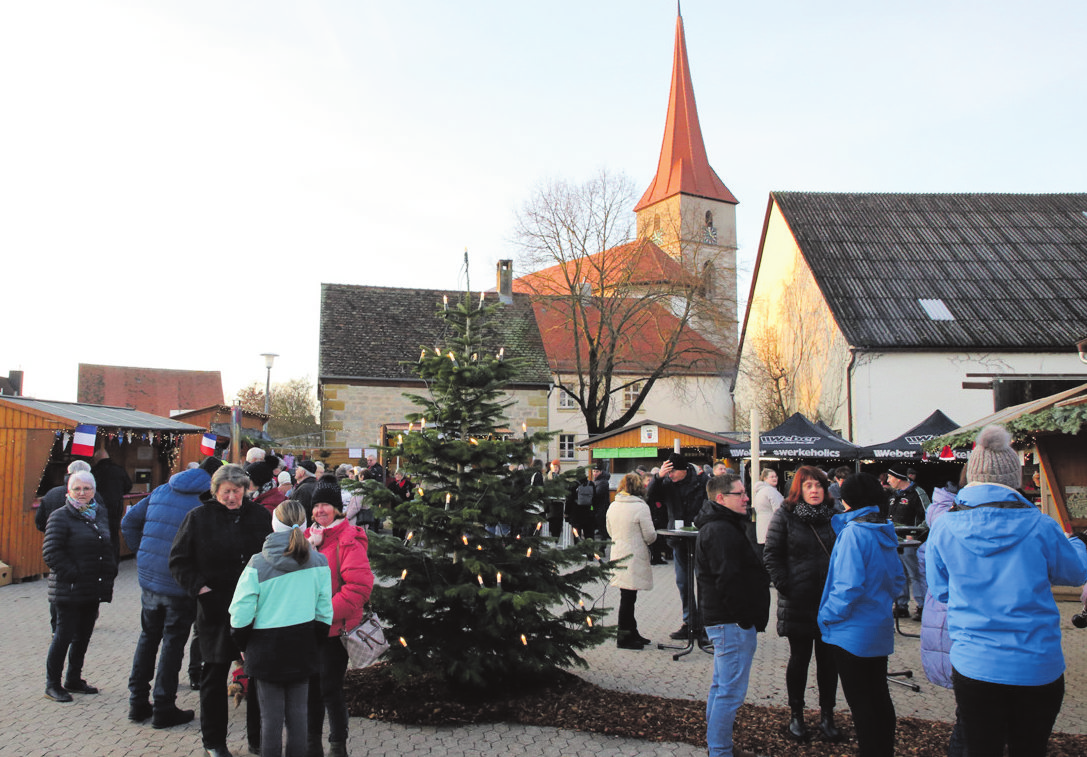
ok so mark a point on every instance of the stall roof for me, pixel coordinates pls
(100, 415)
(679, 428)
(799, 438)
(908, 446)
(1069, 397)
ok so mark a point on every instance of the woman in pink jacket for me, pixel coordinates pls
(344, 546)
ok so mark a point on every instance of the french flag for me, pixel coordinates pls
(207, 445)
(83, 440)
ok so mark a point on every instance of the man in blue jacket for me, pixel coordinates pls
(168, 611)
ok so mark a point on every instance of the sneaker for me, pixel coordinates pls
(140, 711)
(171, 717)
(57, 694)
(80, 687)
(683, 632)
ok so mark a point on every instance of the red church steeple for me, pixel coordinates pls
(683, 167)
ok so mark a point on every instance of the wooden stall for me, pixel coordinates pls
(216, 420)
(648, 443)
(36, 439)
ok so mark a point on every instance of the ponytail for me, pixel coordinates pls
(291, 514)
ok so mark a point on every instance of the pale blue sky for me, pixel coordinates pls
(161, 162)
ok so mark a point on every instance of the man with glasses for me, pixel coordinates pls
(734, 593)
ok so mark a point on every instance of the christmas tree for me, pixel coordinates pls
(473, 591)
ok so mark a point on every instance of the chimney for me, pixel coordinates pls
(505, 281)
(15, 378)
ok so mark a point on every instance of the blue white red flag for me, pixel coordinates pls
(207, 445)
(83, 440)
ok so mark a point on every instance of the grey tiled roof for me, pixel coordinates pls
(375, 333)
(1010, 268)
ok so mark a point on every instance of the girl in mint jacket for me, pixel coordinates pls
(279, 617)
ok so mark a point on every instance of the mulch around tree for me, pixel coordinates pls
(564, 700)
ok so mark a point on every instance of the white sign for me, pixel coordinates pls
(650, 434)
(354, 452)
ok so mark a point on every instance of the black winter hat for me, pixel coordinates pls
(863, 490)
(327, 491)
(678, 461)
(210, 465)
(308, 466)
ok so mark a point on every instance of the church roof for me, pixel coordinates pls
(374, 333)
(947, 271)
(643, 334)
(637, 263)
(683, 167)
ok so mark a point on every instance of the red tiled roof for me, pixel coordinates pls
(638, 263)
(157, 391)
(645, 330)
(683, 167)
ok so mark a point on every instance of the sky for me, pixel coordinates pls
(177, 179)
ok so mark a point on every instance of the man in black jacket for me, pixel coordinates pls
(682, 488)
(735, 591)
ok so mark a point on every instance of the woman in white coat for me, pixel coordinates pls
(631, 528)
(765, 501)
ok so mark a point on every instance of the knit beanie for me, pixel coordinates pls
(993, 461)
(863, 490)
(328, 491)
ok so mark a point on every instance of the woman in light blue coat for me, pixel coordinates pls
(993, 559)
(855, 611)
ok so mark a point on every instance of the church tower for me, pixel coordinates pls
(688, 211)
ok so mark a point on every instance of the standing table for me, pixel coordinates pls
(694, 627)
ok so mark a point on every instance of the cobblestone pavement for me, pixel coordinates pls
(31, 726)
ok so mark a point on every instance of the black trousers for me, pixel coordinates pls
(995, 714)
(796, 672)
(864, 683)
(627, 599)
(75, 624)
(213, 706)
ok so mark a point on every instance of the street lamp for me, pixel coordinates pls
(269, 358)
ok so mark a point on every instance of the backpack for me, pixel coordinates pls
(585, 494)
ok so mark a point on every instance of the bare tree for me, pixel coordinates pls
(618, 326)
(293, 407)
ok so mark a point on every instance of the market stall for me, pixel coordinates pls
(39, 438)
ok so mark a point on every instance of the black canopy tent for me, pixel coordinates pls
(799, 439)
(908, 446)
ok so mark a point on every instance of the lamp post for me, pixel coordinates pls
(269, 358)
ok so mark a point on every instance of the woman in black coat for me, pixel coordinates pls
(79, 553)
(797, 556)
(212, 547)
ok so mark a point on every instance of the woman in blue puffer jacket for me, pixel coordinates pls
(992, 559)
(855, 611)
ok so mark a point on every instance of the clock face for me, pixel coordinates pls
(709, 235)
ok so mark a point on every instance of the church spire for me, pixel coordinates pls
(683, 167)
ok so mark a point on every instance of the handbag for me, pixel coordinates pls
(364, 643)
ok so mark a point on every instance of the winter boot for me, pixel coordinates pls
(314, 748)
(337, 749)
(796, 730)
(628, 640)
(826, 725)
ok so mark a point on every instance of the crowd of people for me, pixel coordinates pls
(269, 567)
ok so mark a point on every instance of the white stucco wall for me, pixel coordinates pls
(894, 391)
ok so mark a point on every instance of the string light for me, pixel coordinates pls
(480, 578)
(589, 620)
(501, 354)
(473, 440)
(408, 537)
(529, 553)
(524, 640)
(445, 302)
(399, 440)
(499, 577)
(539, 526)
(574, 531)
(453, 358)
(437, 352)
(464, 538)
(481, 299)
(479, 547)
(448, 496)
(403, 643)
(411, 427)
(422, 355)
(404, 574)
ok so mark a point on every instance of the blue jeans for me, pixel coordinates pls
(915, 579)
(164, 620)
(690, 614)
(733, 650)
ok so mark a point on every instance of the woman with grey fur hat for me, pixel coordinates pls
(992, 559)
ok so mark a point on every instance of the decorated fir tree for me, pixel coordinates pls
(473, 591)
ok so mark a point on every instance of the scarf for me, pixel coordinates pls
(88, 511)
(813, 513)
